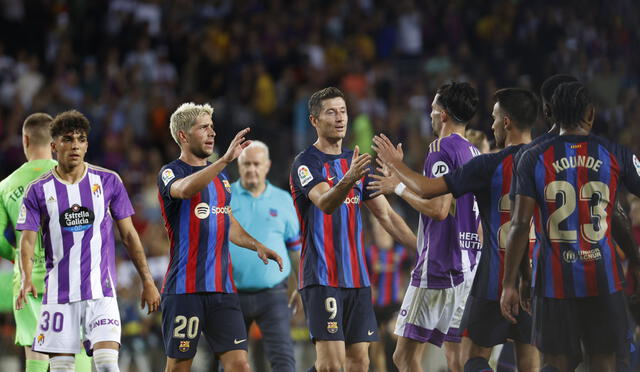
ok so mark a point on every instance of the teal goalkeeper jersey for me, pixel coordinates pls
(12, 190)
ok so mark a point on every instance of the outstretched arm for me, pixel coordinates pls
(186, 187)
(240, 237)
(391, 221)
(131, 241)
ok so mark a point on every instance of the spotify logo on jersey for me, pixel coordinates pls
(202, 211)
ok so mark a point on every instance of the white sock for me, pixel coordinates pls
(106, 360)
(62, 364)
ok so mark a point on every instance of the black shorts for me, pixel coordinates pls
(600, 322)
(339, 314)
(386, 313)
(216, 315)
(487, 327)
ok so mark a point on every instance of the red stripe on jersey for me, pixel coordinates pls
(556, 254)
(584, 218)
(329, 250)
(507, 172)
(351, 230)
(303, 236)
(170, 233)
(222, 199)
(374, 277)
(613, 185)
(194, 241)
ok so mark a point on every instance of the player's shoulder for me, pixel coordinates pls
(103, 172)
(309, 157)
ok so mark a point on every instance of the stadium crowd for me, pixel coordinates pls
(127, 64)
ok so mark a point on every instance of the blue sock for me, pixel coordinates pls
(477, 364)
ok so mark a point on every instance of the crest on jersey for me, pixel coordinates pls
(96, 190)
(636, 163)
(22, 217)
(202, 210)
(440, 168)
(184, 346)
(304, 175)
(167, 175)
(227, 186)
(40, 339)
(273, 212)
(332, 327)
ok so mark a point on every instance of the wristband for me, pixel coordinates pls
(399, 189)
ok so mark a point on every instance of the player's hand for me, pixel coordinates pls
(385, 182)
(25, 288)
(295, 302)
(359, 166)
(510, 303)
(386, 151)
(525, 295)
(267, 254)
(150, 296)
(236, 146)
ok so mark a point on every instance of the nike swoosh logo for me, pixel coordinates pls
(370, 332)
(236, 341)
(330, 178)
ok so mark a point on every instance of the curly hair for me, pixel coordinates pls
(569, 104)
(69, 122)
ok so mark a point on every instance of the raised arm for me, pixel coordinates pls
(186, 187)
(131, 241)
(328, 198)
(240, 237)
(391, 221)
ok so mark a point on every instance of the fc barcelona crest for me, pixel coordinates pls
(273, 212)
(227, 186)
(332, 327)
(184, 346)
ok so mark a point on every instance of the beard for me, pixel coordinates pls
(200, 152)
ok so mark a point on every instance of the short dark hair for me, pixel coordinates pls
(521, 105)
(460, 100)
(569, 103)
(69, 122)
(37, 127)
(551, 83)
(315, 102)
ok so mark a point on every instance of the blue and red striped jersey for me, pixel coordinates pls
(488, 177)
(332, 244)
(574, 180)
(199, 259)
(385, 267)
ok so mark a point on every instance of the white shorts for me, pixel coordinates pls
(62, 327)
(433, 315)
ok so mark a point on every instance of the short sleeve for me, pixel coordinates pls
(438, 164)
(514, 180)
(472, 176)
(525, 174)
(29, 214)
(120, 205)
(168, 175)
(630, 170)
(292, 227)
(306, 173)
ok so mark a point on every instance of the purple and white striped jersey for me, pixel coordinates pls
(449, 248)
(77, 232)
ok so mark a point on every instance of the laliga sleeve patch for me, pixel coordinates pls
(167, 175)
(440, 168)
(22, 217)
(636, 163)
(304, 175)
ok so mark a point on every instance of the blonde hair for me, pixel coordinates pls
(185, 116)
